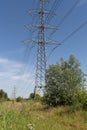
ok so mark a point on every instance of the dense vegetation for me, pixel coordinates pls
(63, 106)
(3, 95)
(33, 115)
(65, 84)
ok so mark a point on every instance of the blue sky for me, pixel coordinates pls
(17, 61)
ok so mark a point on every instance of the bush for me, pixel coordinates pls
(3, 95)
(64, 83)
(36, 98)
(19, 99)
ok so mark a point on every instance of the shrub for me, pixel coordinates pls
(19, 99)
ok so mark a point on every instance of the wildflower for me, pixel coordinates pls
(30, 127)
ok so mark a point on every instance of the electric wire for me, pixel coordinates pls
(29, 84)
(34, 20)
(23, 68)
(30, 71)
(55, 6)
(67, 14)
(26, 86)
(71, 34)
(48, 18)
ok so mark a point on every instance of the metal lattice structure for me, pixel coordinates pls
(41, 51)
(41, 44)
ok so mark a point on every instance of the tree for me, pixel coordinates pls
(19, 99)
(63, 80)
(3, 95)
(36, 98)
(31, 96)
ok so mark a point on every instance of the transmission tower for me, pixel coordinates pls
(41, 51)
(14, 94)
(41, 45)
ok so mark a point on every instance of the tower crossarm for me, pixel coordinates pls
(40, 42)
(38, 12)
(28, 26)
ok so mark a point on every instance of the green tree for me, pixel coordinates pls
(31, 96)
(3, 95)
(63, 80)
(37, 97)
(19, 99)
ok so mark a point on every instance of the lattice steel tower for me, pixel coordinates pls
(41, 42)
(41, 52)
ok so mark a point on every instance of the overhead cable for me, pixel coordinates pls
(71, 34)
(55, 6)
(67, 14)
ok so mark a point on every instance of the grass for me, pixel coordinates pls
(35, 116)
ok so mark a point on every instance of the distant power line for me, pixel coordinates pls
(67, 14)
(71, 34)
(75, 31)
(54, 7)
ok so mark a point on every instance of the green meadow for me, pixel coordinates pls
(32, 115)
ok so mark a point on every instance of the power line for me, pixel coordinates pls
(41, 39)
(26, 60)
(66, 15)
(75, 31)
(71, 34)
(69, 12)
(55, 6)
(41, 42)
(24, 69)
(23, 91)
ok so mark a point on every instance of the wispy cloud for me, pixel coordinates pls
(3, 60)
(13, 73)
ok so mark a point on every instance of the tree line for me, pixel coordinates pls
(64, 85)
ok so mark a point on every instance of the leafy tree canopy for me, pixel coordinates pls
(3, 95)
(37, 97)
(19, 99)
(63, 81)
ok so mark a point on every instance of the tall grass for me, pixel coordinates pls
(35, 116)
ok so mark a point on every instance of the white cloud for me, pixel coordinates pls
(15, 73)
(3, 60)
(24, 77)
